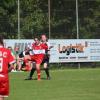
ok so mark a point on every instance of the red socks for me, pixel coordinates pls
(39, 74)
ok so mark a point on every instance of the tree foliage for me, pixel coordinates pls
(34, 18)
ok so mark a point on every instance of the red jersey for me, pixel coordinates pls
(39, 49)
(38, 52)
(5, 59)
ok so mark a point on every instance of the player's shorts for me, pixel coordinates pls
(37, 58)
(4, 86)
(46, 59)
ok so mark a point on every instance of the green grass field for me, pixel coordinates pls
(71, 84)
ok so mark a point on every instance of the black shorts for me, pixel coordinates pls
(46, 59)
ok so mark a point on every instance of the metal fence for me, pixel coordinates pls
(68, 19)
(58, 19)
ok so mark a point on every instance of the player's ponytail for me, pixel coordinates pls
(1, 40)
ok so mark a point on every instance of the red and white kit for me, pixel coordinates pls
(38, 52)
(5, 59)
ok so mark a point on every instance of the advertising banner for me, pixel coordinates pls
(75, 50)
(66, 50)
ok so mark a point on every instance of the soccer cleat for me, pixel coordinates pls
(48, 78)
(13, 70)
(30, 78)
(38, 79)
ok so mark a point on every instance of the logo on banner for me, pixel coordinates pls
(68, 49)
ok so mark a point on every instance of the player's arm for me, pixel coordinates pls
(51, 47)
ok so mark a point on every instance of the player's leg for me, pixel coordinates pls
(1, 98)
(19, 64)
(46, 68)
(38, 71)
(39, 60)
(33, 67)
(32, 70)
(4, 87)
(27, 57)
(29, 66)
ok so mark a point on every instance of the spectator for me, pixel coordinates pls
(14, 55)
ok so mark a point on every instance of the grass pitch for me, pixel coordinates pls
(71, 84)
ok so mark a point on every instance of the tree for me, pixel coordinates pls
(34, 18)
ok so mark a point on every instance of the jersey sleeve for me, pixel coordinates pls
(10, 58)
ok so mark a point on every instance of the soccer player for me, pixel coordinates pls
(45, 62)
(5, 59)
(22, 63)
(38, 50)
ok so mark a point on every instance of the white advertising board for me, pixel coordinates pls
(66, 50)
(75, 50)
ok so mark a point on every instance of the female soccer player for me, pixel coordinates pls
(45, 62)
(38, 50)
(5, 59)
